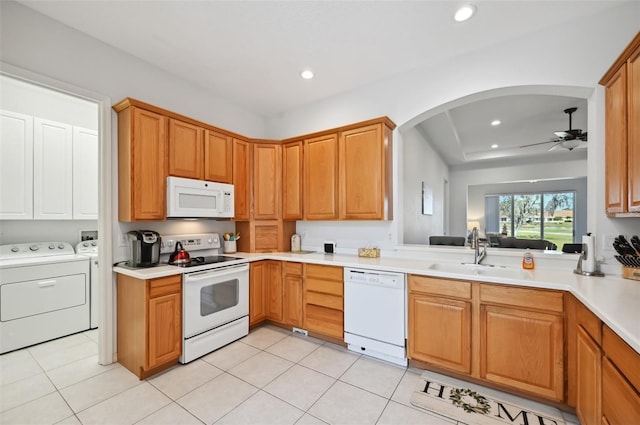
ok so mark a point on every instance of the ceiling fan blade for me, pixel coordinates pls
(553, 147)
(540, 143)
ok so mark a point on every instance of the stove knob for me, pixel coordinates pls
(61, 246)
(209, 241)
(34, 248)
(85, 244)
(15, 249)
(94, 243)
(52, 246)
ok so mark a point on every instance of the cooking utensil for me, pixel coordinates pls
(635, 242)
(628, 260)
(180, 255)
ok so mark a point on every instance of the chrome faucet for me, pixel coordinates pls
(475, 244)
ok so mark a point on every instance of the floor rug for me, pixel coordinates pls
(473, 408)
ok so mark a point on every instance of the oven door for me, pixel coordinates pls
(214, 297)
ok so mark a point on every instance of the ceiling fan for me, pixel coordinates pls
(568, 139)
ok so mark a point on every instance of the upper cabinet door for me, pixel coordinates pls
(186, 149)
(16, 166)
(52, 170)
(321, 178)
(633, 142)
(362, 173)
(292, 157)
(616, 142)
(148, 163)
(218, 157)
(267, 181)
(241, 179)
(85, 174)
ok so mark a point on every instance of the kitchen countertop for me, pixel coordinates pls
(616, 301)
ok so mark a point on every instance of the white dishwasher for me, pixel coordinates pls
(374, 314)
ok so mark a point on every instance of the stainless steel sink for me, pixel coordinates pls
(481, 270)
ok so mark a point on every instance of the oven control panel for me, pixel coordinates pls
(194, 242)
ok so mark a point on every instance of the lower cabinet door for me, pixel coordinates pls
(440, 332)
(165, 329)
(522, 349)
(588, 379)
(620, 401)
(292, 300)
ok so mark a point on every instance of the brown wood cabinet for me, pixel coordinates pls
(186, 146)
(149, 323)
(267, 181)
(274, 291)
(440, 322)
(324, 300)
(588, 378)
(365, 180)
(622, 133)
(257, 292)
(321, 178)
(242, 179)
(218, 157)
(292, 294)
(522, 340)
(292, 178)
(142, 163)
(348, 172)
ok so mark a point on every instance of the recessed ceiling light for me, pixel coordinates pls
(307, 74)
(494, 146)
(464, 12)
(496, 122)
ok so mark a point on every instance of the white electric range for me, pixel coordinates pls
(215, 294)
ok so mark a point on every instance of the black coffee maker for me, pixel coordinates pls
(144, 248)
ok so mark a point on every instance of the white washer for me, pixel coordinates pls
(44, 293)
(90, 249)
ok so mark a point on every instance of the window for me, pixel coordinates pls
(546, 215)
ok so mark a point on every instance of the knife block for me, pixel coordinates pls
(631, 273)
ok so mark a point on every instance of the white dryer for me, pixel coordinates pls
(90, 249)
(44, 293)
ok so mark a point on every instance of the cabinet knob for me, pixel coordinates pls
(34, 248)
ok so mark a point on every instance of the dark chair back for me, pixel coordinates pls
(447, 240)
(572, 248)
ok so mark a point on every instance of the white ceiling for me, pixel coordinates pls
(251, 52)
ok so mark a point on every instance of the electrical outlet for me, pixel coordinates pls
(122, 240)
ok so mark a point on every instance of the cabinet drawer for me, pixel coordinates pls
(624, 357)
(326, 300)
(324, 286)
(324, 272)
(324, 320)
(521, 297)
(164, 286)
(589, 322)
(445, 287)
(293, 268)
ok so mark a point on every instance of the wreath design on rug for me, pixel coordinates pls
(458, 395)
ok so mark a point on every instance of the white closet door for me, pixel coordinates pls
(85, 174)
(16, 166)
(52, 170)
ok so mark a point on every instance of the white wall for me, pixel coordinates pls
(421, 164)
(545, 58)
(36, 43)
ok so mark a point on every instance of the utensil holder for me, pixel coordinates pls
(229, 247)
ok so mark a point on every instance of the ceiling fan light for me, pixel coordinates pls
(570, 144)
(464, 12)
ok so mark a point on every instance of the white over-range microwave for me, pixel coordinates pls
(189, 198)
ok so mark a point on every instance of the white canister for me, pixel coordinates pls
(295, 242)
(229, 247)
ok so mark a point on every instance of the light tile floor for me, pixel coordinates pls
(269, 377)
